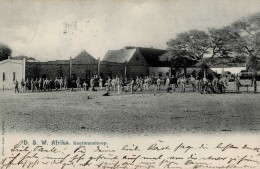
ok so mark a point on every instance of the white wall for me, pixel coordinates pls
(233, 70)
(9, 67)
(157, 70)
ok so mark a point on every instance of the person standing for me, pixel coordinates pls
(100, 83)
(215, 84)
(238, 84)
(45, 85)
(36, 84)
(137, 81)
(65, 83)
(51, 84)
(158, 84)
(113, 83)
(16, 86)
(146, 83)
(32, 85)
(84, 86)
(183, 84)
(171, 83)
(40, 84)
(193, 84)
(78, 83)
(106, 86)
(92, 83)
(205, 85)
(175, 82)
(132, 85)
(27, 84)
(56, 83)
(141, 80)
(22, 86)
(61, 83)
(224, 81)
(167, 84)
(197, 83)
(119, 85)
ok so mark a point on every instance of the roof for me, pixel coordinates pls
(58, 62)
(119, 56)
(84, 57)
(151, 55)
(12, 61)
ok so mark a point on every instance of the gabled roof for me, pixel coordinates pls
(84, 57)
(151, 55)
(119, 56)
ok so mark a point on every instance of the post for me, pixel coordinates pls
(125, 68)
(70, 68)
(24, 68)
(98, 66)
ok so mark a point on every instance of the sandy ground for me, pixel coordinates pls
(138, 114)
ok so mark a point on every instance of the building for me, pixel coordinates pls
(83, 66)
(126, 62)
(136, 61)
(11, 70)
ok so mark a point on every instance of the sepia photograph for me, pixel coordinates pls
(130, 84)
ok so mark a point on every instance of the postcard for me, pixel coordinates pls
(129, 84)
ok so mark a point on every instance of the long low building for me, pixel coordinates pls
(126, 62)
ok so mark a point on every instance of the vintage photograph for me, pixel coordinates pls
(121, 84)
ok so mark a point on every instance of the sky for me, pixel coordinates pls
(60, 29)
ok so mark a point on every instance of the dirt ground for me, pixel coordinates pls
(138, 114)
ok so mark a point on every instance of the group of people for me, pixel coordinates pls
(201, 85)
(40, 85)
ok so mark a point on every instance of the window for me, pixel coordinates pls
(3, 76)
(137, 58)
(167, 73)
(13, 76)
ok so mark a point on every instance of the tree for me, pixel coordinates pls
(178, 60)
(221, 40)
(248, 35)
(21, 57)
(193, 44)
(248, 39)
(187, 48)
(5, 52)
(203, 65)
